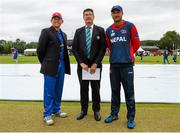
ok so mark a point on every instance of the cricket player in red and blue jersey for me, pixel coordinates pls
(123, 42)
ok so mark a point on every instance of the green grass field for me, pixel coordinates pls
(26, 116)
(34, 60)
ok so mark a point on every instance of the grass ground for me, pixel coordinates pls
(27, 116)
(34, 60)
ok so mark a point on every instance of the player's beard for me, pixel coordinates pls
(117, 21)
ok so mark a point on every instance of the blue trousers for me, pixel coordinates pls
(165, 59)
(53, 88)
(124, 75)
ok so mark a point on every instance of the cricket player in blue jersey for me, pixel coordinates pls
(123, 41)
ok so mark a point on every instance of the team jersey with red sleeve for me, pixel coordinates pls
(123, 42)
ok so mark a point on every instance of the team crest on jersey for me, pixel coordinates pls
(98, 37)
(123, 31)
(112, 33)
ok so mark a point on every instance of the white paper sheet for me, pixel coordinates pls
(88, 76)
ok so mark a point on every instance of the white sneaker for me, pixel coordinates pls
(49, 121)
(61, 114)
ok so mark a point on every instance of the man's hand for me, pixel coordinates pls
(84, 66)
(93, 68)
(108, 51)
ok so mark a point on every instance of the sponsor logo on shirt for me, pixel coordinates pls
(112, 33)
(118, 39)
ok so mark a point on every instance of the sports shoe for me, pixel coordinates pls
(48, 120)
(111, 119)
(61, 114)
(131, 124)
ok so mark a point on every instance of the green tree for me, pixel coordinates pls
(31, 45)
(7, 48)
(170, 39)
(1, 49)
(20, 45)
(150, 43)
(2, 43)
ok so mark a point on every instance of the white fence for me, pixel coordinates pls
(153, 83)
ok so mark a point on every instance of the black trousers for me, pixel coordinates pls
(124, 76)
(84, 92)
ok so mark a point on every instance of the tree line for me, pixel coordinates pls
(170, 40)
(6, 47)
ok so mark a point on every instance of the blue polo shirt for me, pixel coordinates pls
(61, 41)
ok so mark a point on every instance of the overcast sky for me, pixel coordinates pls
(24, 19)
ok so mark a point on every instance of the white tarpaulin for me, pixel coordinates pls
(153, 83)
